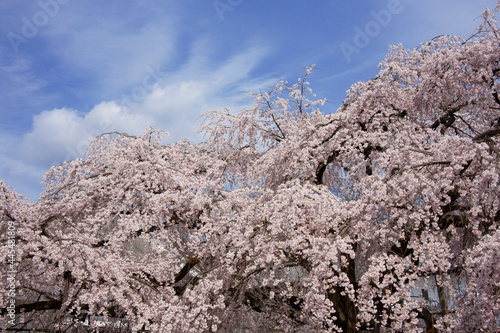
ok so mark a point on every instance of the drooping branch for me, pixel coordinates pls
(187, 267)
(448, 118)
(56, 304)
(486, 136)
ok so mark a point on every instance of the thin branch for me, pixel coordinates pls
(485, 136)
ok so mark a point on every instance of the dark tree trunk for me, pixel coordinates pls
(346, 311)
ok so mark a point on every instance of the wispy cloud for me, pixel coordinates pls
(21, 82)
(174, 105)
(96, 66)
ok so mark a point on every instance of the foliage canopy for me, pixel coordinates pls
(384, 214)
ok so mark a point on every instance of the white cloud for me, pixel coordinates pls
(63, 134)
(19, 75)
(172, 102)
(51, 131)
(110, 50)
(111, 56)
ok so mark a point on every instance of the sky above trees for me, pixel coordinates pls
(71, 70)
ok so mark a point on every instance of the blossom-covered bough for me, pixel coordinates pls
(382, 216)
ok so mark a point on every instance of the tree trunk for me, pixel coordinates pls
(346, 311)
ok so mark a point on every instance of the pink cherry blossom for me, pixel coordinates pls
(383, 216)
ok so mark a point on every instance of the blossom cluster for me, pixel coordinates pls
(384, 214)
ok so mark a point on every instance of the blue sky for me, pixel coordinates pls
(70, 69)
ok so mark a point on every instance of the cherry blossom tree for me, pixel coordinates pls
(383, 216)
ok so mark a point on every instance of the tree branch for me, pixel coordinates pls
(185, 270)
(485, 136)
